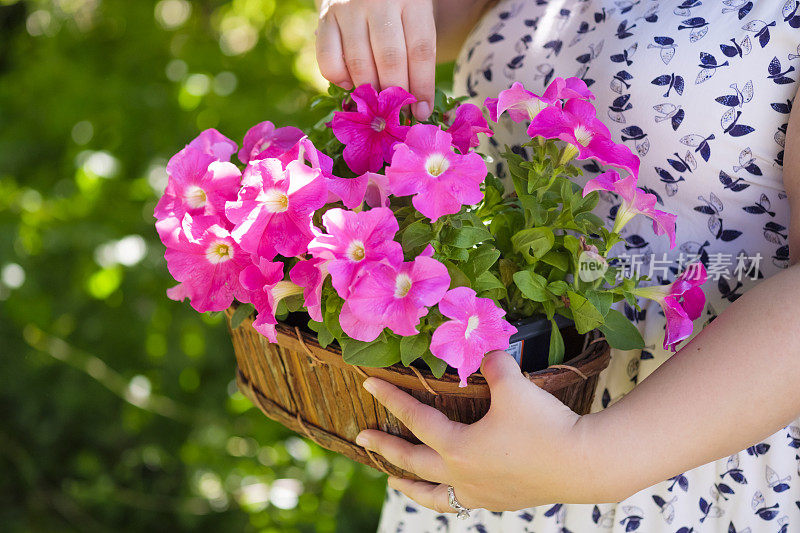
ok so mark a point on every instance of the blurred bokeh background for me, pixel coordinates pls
(118, 409)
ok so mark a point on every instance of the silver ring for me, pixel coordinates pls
(463, 512)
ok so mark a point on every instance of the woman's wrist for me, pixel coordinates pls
(604, 470)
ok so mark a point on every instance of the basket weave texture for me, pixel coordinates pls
(312, 391)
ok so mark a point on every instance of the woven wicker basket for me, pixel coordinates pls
(312, 391)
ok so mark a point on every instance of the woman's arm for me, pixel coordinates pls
(735, 383)
(454, 20)
(791, 180)
(392, 42)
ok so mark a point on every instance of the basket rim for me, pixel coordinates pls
(590, 362)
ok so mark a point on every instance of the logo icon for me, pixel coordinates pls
(591, 266)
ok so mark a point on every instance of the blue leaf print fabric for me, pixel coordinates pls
(701, 90)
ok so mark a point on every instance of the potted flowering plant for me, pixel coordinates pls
(396, 244)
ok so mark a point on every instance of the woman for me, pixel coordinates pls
(702, 90)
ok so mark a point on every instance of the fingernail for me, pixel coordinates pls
(361, 440)
(346, 85)
(369, 385)
(422, 110)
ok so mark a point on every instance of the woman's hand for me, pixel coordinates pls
(705, 402)
(529, 449)
(381, 42)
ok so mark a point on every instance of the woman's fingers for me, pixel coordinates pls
(420, 35)
(381, 43)
(388, 45)
(428, 495)
(329, 52)
(357, 47)
(416, 458)
(430, 425)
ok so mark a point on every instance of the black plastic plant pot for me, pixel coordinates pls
(530, 345)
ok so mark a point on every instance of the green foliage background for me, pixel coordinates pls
(117, 406)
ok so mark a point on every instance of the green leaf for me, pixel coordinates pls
(533, 243)
(487, 281)
(495, 294)
(494, 183)
(371, 354)
(481, 259)
(560, 260)
(459, 254)
(465, 237)
(586, 204)
(532, 285)
(620, 332)
(280, 310)
(572, 244)
(549, 309)
(601, 300)
(294, 302)
(242, 312)
(507, 270)
(502, 228)
(566, 193)
(437, 366)
(324, 337)
(589, 218)
(558, 287)
(412, 347)
(457, 277)
(416, 235)
(584, 313)
(333, 306)
(555, 354)
(610, 276)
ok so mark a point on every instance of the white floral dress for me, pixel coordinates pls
(701, 90)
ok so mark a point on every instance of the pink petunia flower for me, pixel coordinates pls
(356, 241)
(376, 193)
(634, 202)
(349, 190)
(198, 184)
(395, 297)
(310, 274)
(178, 293)
(477, 327)
(564, 89)
(682, 302)
(491, 105)
(523, 104)
(170, 228)
(356, 328)
(440, 180)
(587, 137)
(215, 144)
(467, 124)
(272, 214)
(370, 133)
(265, 140)
(207, 261)
(266, 287)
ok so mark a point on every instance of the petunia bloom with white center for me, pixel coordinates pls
(476, 327)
